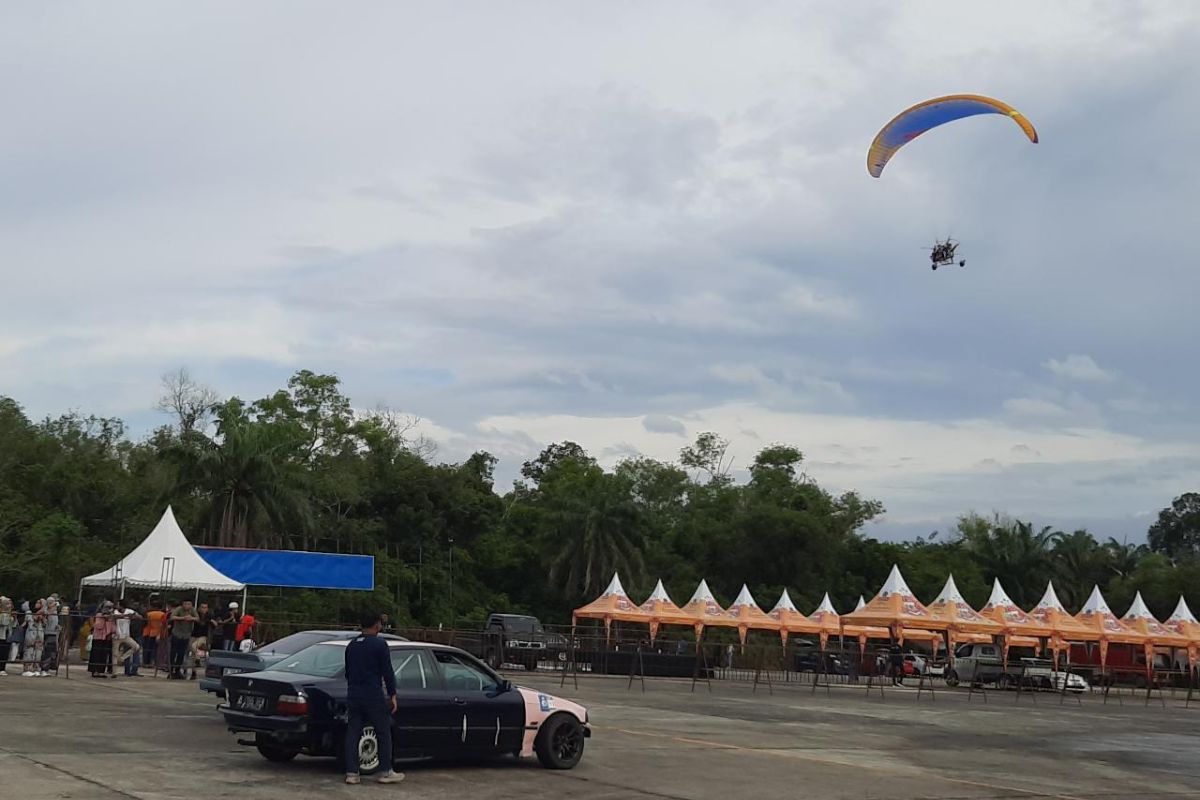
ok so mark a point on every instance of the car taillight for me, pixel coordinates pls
(212, 672)
(292, 704)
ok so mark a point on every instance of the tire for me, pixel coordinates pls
(273, 751)
(951, 678)
(530, 664)
(559, 744)
(368, 751)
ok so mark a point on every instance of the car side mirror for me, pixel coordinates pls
(506, 686)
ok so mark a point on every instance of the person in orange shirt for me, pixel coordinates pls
(156, 629)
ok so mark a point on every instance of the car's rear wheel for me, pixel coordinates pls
(559, 743)
(368, 751)
(273, 751)
(951, 678)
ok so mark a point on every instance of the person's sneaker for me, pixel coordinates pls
(3, 673)
(391, 777)
(353, 780)
(26, 674)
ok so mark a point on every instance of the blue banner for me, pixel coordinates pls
(292, 568)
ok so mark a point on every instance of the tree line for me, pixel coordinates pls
(303, 469)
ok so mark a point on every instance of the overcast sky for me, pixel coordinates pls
(626, 223)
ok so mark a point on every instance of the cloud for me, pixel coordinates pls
(661, 423)
(1033, 407)
(1078, 368)
(655, 231)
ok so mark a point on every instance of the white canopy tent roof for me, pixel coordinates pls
(164, 560)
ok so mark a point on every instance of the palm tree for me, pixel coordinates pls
(1013, 553)
(1123, 557)
(598, 531)
(1078, 565)
(248, 474)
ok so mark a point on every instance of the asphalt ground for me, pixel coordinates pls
(156, 739)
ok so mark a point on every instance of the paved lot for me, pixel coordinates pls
(153, 739)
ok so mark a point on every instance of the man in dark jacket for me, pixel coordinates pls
(368, 674)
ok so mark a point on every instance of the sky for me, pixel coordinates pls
(626, 223)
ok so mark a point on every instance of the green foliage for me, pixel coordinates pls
(301, 468)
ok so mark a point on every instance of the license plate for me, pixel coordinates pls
(251, 702)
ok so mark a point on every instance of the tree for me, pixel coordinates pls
(189, 401)
(551, 457)
(250, 478)
(591, 527)
(1012, 552)
(707, 456)
(1079, 564)
(1177, 530)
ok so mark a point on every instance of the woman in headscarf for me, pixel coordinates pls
(35, 639)
(7, 623)
(103, 628)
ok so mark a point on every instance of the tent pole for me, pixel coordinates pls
(196, 602)
(244, 589)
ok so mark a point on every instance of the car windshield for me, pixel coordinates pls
(320, 660)
(523, 625)
(294, 643)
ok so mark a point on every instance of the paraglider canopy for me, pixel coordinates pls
(912, 122)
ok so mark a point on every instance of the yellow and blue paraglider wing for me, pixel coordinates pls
(912, 122)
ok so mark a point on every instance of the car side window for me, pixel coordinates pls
(989, 651)
(413, 669)
(463, 676)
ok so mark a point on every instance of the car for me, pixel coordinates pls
(451, 705)
(231, 662)
(515, 639)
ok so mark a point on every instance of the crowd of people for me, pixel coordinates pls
(29, 635)
(120, 637)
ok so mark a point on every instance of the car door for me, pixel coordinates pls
(422, 724)
(491, 717)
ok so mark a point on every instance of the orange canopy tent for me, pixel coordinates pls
(613, 605)
(704, 611)
(828, 622)
(1098, 617)
(1139, 618)
(790, 619)
(952, 608)
(661, 610)
(896, 608)
(748, 615)
(1016, 623)
(1050, 612)
(1183, 623)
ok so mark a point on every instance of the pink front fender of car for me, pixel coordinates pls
(539, 707)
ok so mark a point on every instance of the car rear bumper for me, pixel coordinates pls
(240, 721)
(212, 685)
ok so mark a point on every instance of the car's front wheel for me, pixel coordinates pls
(559, 743)
(951, 678)
(273, 751)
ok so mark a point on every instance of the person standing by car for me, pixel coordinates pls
(7, 623)
(229, 626)
(182, 620)
(137, 628)
(124, 646)
(156, 623)
(53, 625)
(199, 645)
(100, 655)
(368, 671)
(896, 658)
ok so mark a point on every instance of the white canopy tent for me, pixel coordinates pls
(164, 560)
